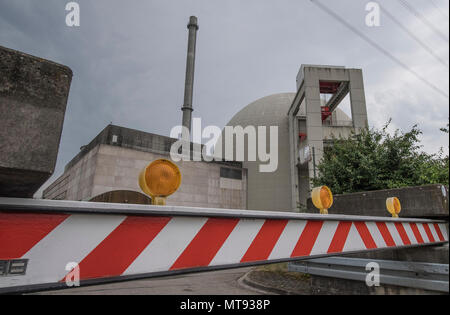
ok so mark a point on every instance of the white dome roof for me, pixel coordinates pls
(269, 110)
(268, 191)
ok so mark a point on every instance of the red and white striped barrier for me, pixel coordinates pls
(135, 240)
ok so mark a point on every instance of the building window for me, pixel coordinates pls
(230, 173)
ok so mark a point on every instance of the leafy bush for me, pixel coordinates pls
(374, 159)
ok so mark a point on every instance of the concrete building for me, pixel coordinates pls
(112, 161)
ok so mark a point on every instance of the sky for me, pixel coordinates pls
(129, 59)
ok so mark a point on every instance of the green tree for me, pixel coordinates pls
(375, 159)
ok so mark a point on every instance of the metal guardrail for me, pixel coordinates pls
(428, 276)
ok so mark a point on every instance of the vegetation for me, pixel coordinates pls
(374, 160)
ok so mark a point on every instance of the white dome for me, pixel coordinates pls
(265, 112)
(268, 191)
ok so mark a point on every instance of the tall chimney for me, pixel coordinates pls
(190, 64)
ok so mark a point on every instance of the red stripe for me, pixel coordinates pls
(365, 235)
(307, 239)
(340, 236)
(121, 247)
(439, 233)
(416, 232)
(402, 232)
(385, 233)
(265, 240)
(19, 232)
(428, 231)
(205, 245)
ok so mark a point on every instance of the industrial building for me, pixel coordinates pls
(107, 168)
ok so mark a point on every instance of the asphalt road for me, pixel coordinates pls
(204, 283)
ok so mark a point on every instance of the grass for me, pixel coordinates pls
(282, 270)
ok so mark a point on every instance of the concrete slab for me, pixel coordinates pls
(33, 98)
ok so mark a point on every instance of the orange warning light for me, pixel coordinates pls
(160, 179)
(322, 198)
(393, 206)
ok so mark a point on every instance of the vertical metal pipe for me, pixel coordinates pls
(314, 161)
(190, 65)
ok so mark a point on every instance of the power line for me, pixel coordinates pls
(381, 49)
(439, 9)
(417, 39)
(423, 19)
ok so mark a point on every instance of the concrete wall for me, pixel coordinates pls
(126, 138)
(33, 98)
(107, 168)
(77, 181)
(118, 169)
(429, 201)
(334, 286)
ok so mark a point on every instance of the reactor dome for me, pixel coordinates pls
(268, 191)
